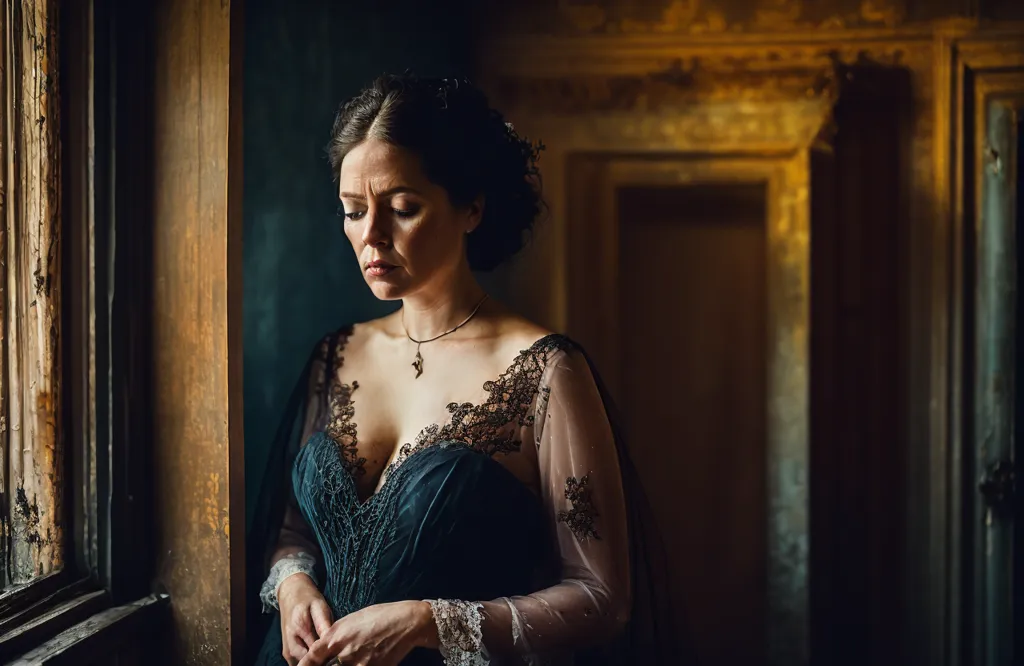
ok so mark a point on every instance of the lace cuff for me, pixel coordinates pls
(459, 633)
(289, 565)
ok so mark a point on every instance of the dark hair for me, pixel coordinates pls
(465, 146)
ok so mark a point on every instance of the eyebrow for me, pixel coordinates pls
(383, 195)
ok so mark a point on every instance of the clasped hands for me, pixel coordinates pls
(380, 635)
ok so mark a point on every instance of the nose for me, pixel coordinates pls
(375, 232)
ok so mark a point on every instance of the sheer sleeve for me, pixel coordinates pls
(582, 489)
(296, 550)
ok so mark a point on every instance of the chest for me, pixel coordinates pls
(378, 420)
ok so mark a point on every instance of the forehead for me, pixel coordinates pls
(374, 166)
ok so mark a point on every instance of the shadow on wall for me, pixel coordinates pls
(301, 279)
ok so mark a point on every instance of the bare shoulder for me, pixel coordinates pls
(515, 331)
(519, 334)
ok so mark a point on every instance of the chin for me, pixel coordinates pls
(385, 290)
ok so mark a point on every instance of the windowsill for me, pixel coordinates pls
(88, 640)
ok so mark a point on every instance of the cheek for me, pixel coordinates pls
(429, 244)
(354, 235)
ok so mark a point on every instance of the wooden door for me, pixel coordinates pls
(692, 371)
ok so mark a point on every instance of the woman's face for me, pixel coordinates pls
(406, 234)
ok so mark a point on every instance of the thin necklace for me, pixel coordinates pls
(418, 362)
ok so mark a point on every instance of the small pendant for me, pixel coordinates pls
(418, 363)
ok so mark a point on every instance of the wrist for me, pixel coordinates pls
(293, 583)
(426, 629)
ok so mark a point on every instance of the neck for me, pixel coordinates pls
(435, 311)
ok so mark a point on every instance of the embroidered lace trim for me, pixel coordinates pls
(289, 565)
(583, 515)
(459, 633)
(488, 427)
(340, 427)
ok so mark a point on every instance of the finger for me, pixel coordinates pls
(297, 650)
(318, 655)
(303, 630)
(293, 648)
(313, 659)
(322, 617)
(303, 640)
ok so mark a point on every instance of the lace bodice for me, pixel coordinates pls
(497, 424)
(545, 415)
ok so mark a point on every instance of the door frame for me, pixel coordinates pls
(991, 87)
(593, 100)
(593, 307)
(989, 81)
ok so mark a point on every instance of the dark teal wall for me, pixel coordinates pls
(301, 280)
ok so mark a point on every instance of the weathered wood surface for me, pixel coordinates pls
(30, 200)
(195, 349)
(33, 631)
(104, 638)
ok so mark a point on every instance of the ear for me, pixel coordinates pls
(474, 214)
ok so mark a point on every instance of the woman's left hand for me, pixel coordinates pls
(380, 635)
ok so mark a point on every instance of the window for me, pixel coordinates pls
(72, 336)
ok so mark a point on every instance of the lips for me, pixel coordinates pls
(378, 268)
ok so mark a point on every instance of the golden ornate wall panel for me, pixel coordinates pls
(606, 85)
(714, 115)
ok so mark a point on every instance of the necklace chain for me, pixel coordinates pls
(418, 362)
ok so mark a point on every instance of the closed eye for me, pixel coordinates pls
(358, 214)
(354, 215)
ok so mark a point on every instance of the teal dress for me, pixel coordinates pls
(449, 521)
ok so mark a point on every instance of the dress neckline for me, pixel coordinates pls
(509, 398)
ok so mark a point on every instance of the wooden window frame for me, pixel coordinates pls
(103, 589)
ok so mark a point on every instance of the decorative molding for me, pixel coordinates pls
(694, 17)
(771, 128)
(767, 101)
(681, 82)
(997, 51)
(528, 57)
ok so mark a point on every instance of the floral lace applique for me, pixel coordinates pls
(490, 427)
(340, 426)
(580, 519)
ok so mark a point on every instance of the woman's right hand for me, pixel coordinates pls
(305, 616)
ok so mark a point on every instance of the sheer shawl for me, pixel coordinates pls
(577, 453)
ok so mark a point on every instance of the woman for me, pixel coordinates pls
(451, 488)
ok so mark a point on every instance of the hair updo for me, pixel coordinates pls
(464, 146)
